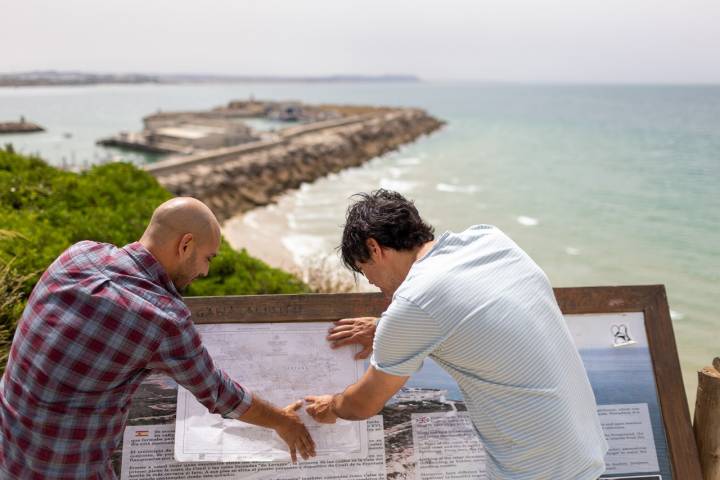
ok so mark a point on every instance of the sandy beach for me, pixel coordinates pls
(268, 233)
(261, 241)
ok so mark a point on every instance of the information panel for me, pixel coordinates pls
(424, 432)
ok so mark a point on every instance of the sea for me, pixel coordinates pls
(601, 185)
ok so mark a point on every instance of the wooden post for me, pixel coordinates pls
(707, 420)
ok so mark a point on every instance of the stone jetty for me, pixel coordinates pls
(197, 132)
(236, 179)
(20, 127)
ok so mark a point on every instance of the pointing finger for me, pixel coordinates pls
(308, 444)
(310, 441)
(303, 450)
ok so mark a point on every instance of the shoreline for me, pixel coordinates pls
(264, 244)
(79, 79)
(267, 233)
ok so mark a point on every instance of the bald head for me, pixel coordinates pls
(182, 215)
(183, 235)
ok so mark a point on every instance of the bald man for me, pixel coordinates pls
(98, 321)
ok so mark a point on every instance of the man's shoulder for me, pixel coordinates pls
(84, 253)
(443, 276)
(126, 283)
(76, 266)
(151, 301)
(92, 248)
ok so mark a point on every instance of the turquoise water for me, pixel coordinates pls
(600, 185)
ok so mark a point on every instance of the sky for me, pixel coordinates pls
(565, 41)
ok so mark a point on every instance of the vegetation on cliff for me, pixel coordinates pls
(44, 210)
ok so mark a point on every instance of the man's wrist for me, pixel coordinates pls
(283, 419)
(335, 405)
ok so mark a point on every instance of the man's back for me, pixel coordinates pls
(92, 328)
(486, 313)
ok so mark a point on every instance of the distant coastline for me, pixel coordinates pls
(52, 78)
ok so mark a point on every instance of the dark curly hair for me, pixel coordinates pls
(386, 216)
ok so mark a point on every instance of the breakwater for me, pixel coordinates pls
(20, 127)
(236, 179)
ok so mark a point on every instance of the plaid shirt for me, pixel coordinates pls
(100, 319)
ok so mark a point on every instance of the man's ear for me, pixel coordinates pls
(186, 244)
(374, 248)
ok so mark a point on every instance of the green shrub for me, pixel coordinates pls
(233, 273)
(44, 210)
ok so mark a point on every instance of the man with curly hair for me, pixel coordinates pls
(485, 312)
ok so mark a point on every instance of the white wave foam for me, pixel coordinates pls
(309, 216)
(291, 221)
(304, 246)
(572, 251)
(676, 315)
(395, 172)
(446, 187)
(314, 201)
(527, 221)
(401, 186)
(408, 161)
(250, 219)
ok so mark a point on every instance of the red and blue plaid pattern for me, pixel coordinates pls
(98, 321)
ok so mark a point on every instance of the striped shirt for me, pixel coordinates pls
(486, 313)
(98, 321)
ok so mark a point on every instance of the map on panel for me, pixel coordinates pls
(282, 363)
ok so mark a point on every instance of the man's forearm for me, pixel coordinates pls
(262, 414)
(346, 407)
(359, 401)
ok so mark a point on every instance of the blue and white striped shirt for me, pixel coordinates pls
(485, 312)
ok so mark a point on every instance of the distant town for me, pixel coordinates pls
(59, 78)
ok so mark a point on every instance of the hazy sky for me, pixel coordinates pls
(666, 41)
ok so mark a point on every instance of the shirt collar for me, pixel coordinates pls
(151, 266)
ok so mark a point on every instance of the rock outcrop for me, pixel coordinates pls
(20, 127)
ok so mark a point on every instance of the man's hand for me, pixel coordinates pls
(354, 330)
(320, 408)
(295, 434)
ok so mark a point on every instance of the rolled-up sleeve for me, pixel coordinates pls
(405, 336)
(182, 356)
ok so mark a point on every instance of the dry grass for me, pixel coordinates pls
(323, 275)
(12, 296)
